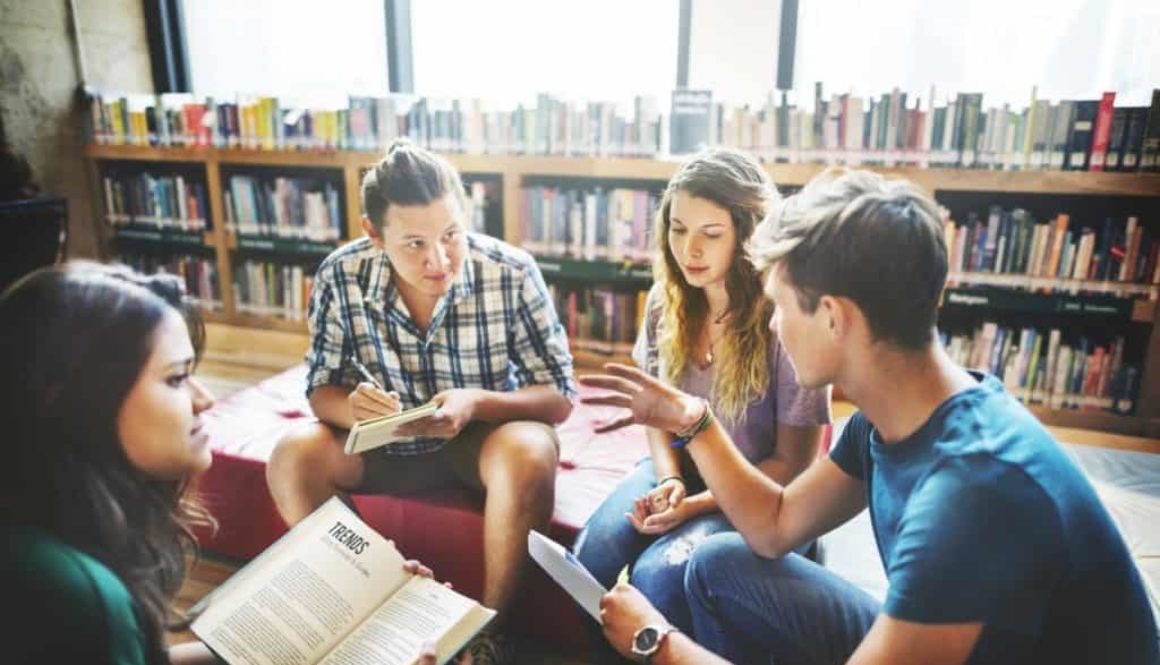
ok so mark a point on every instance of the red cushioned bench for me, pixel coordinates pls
(443, 529)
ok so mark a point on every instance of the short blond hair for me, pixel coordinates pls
(856, 234)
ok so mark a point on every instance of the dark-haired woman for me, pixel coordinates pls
(101, 413)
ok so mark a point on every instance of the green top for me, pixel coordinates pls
(63, 605)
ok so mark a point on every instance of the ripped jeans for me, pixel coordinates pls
(609, 541)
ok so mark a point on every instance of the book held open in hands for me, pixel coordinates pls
(333, 591)
(385, 430)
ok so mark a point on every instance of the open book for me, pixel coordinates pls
(382, 431)
(333, 591)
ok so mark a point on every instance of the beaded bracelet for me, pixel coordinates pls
(666, 479)
(683, 438)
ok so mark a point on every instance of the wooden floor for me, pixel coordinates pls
(238, 358)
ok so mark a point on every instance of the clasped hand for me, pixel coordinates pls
(661, 509)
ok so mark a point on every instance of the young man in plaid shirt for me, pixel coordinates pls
(436, 314)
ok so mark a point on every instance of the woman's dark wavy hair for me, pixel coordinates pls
(73, 340)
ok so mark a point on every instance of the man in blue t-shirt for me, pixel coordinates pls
(996, 547)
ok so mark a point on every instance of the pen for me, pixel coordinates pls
(366, 373)
(622, 578)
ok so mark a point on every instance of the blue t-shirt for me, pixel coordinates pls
(981, 516)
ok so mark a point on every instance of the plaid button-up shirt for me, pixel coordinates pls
(496, 329)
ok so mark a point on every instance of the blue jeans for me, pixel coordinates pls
(609, 541)
(789, 611)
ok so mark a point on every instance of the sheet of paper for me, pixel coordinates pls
(568, 572)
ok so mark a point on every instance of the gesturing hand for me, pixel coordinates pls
(652, 403)
(368, 401)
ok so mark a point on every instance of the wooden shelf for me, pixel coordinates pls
(1103, 307)
(1098, 420)
(590, 362)
(1031, 283)
(170, 239)
(297, 247)
(512, 170)
(933, 179)
(623, 272)
(256, 321)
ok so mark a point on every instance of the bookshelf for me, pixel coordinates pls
(511, 173)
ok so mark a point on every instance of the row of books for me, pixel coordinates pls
(1014, 242)
(551, 126)
(163, 202)
(593, 223)
(892, 129)
(1044, 368)
(1068, 135)
(599, 320)
(199, 272)
(266, 288)
(302, 208)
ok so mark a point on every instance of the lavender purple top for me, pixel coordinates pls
(785, 401)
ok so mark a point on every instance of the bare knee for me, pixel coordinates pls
(523, 452)
(308, 452)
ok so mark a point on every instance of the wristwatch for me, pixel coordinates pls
(647, 641)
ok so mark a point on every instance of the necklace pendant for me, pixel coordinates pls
(709, 357)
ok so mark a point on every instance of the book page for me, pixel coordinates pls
(292, 608)
(422, 611)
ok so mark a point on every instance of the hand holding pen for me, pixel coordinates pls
(369, 399)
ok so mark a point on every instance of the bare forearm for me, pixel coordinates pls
(748, 497)
(542, 403)
(665, 460)
(680, 649)
(331, 406)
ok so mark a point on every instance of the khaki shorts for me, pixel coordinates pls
(456, 464)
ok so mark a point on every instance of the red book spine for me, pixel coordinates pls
(1102, 130)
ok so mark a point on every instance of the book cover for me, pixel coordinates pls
(690, 124)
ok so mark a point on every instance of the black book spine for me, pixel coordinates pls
(1133, 138)
(1150, 147)
(1079, 139)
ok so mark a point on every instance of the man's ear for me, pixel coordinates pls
(372, 232)
(837, 316)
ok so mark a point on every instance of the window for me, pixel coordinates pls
(294, 49)
(1071, 49)
(508, 50)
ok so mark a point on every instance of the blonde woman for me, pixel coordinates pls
(705, 332)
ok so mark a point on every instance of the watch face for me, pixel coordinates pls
(646, 639)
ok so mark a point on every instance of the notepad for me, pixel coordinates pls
(377, 432)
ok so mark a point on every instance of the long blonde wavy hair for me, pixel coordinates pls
(736, 182)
